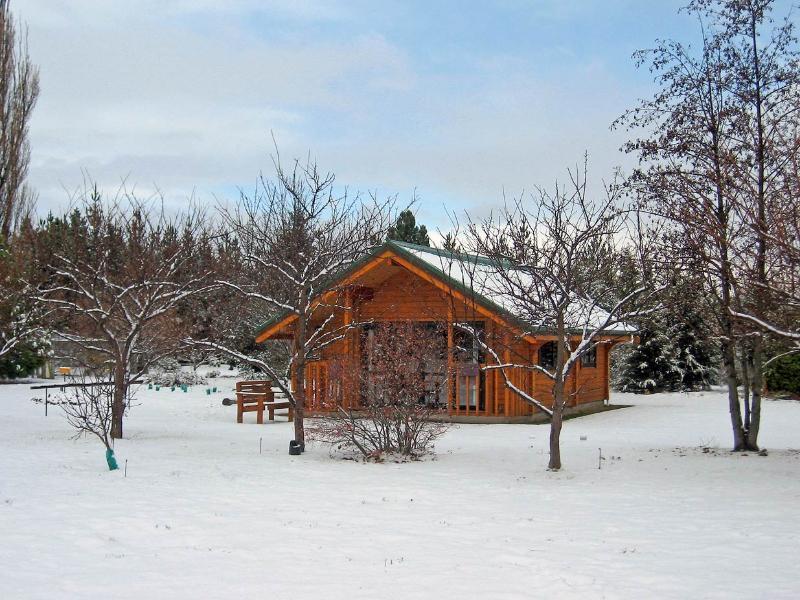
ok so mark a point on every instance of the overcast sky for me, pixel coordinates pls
(458, 100)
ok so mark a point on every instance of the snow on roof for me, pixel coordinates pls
(481, 275)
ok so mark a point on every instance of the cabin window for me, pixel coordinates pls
(468, 346)
(547, 356)
(589, 358)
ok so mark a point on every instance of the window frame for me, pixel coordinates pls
(552, 352)
(589, 354)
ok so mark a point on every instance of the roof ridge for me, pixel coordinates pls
(442, 252)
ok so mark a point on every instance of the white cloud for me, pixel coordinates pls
(149, 92)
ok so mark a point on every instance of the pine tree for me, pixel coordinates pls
(450, 243)
(650, 366)
(694, 353)
(407, 230)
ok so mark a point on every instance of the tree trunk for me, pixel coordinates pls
(559, 389)
(555, 435)
(757, 357)
(729, 362)
(118, 401)
(300, 341)
(756, 389)
(300, 403)
(745, 371)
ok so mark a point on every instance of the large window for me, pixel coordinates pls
(547, 356)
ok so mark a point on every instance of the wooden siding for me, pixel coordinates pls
(402, 295)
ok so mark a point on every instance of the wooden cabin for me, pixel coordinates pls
(400, 282)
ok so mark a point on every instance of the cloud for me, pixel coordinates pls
(184, 95)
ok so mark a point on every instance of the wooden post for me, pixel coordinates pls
(349, 345)
(355, 375)
(506, 360)
(606, 370)
(489, 391)
(496, 392)
(495, 379)
(309, 378)
(451, 374)
(347, 318)
(575, 370)
(532, 358)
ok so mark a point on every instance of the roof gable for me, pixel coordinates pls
(466, 276)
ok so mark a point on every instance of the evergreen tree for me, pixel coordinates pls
(450, 243)
(23, 360)
(650, 366)
(676, 350)
(407, 230)
(693, 352)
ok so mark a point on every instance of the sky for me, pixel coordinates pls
(456, 102)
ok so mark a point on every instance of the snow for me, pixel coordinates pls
(202, 514)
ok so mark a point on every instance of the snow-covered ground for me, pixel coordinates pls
(202, 514)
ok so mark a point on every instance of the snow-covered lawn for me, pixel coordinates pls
(202, 514)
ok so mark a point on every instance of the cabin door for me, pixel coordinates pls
(469, 388)
(469, 378)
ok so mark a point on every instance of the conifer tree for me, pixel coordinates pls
(650, 366)
(407, 230)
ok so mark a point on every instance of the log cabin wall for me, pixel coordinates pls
(334, 378)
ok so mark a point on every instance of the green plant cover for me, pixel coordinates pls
(112, 462)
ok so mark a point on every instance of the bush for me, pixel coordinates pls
(21, 361)
(783, 375)
(394, 417)
(169, 372)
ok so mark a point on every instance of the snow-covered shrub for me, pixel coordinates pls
(169, 372)
(394, 417)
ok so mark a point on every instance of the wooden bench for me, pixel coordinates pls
(255, 396)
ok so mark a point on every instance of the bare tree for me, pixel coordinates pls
(294, 234)
(397, 414)
(89, 409)
(548, 260)
(779, 315)
(117, 275)
(19, 88)
(720, 135)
